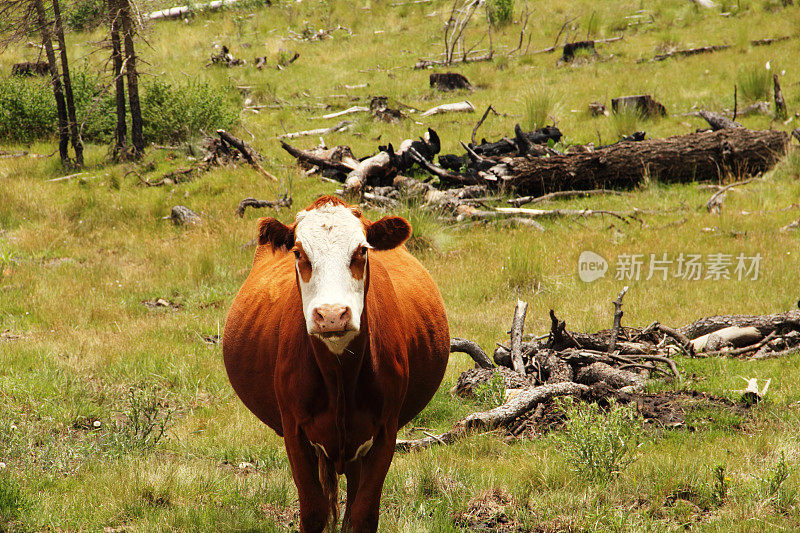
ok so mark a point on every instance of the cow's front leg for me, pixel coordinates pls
(314, 506)
(365, 508)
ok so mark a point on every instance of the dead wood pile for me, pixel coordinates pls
(529, 164)
(615, 363)
(223, 150)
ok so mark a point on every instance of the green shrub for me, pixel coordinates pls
(174, 113)
(599, 445)
(27, 110)
(94, 107)
(84, 15)
(147, 418)
(500, 12)
(754, 83)
(170, 113)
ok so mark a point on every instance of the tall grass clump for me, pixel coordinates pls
(599, 445)
(522, 269)
(626, 120)
(540, 104)
(754, 83)
(501, 12)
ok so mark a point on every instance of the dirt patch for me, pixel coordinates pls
(692, 410)
(8, 335)
(285, 516)
(161, 303)
(487, 512)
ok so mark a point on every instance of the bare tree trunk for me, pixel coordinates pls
(121, 131)
(137, 138)
(63, 128)
(77, 145)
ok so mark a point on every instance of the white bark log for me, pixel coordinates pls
(458, 107)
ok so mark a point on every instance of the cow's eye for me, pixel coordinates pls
(296, 254)
(362, 251)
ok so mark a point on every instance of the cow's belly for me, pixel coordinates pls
(250, 342)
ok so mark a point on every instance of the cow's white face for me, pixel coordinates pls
(330, 257)
(331, 245)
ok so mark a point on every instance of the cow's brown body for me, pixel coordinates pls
(327, 406)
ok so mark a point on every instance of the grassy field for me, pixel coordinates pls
(91, 376)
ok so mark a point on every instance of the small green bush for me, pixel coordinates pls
(27, 110)
(599, 445)
(501, 12)
(147, 418)
(170, 113)
(173, 113)
(84, 15)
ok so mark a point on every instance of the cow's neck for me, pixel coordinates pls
(341, 374)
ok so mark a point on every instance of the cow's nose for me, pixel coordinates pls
(329, 318)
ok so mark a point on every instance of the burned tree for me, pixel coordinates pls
(26, 17)
(121, 130)
(58, 28)
(132, 76)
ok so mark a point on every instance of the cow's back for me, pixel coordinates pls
(424, 323)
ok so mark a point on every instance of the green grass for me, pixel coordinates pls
(77, 258)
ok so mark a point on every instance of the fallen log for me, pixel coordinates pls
(250, 155)
(180, 11)
(341, 126)
(763, 323)
(690, 52)
(488, 420)
(283, 201)
(717, 121)
(523, 200)
(473, 350)
(457, 107)
(679, 159)
(348, 111)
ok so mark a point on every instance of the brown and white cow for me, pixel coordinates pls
(337, 338)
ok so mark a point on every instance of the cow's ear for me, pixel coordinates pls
(279, 235)
(388, 233)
